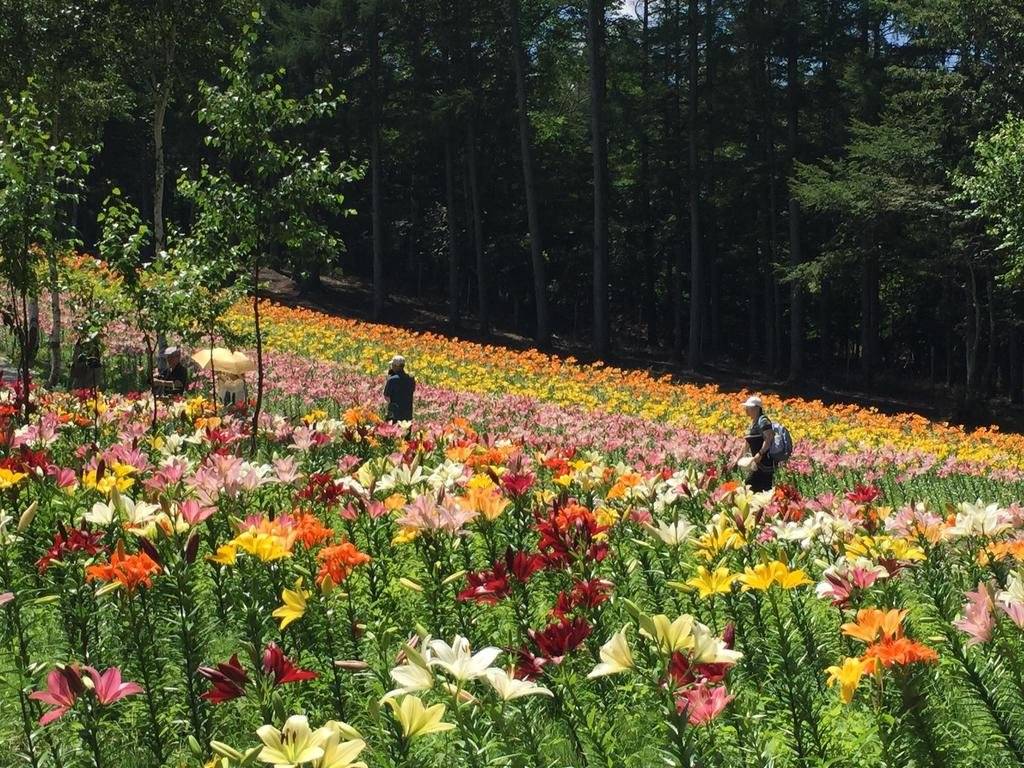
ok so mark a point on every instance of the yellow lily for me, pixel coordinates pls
(294, 607)
(848, 676)
(226, 554)
(710, 583)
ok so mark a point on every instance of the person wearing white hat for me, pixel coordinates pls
(760, 438)
(399, 390)
(174, 379)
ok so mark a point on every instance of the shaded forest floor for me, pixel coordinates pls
(352, 297)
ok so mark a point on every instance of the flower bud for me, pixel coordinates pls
(191, 548)
(351, 665)
(27, 516)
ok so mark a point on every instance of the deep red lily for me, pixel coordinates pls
(486, 587)
(558, 640)
(522, 565)
(229, 681)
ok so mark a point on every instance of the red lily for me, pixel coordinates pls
(486, 587)
(585, 594)
(517, 484)
(523, 565)
(557, 640)
(69, 541)
(229, 681)
(284, 671)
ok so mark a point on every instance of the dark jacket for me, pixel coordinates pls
(399, 390)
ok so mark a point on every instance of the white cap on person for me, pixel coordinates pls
(752, 402)
(398, 361)
(171, 351)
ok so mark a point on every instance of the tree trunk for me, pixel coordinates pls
(674, 135)
(599, 151)
(693, 358)
(376, 173)
(993, 335)
(55, 319)
(649, 314)
(259, 350)
(796, 313)
(161, 102)
(973, 340)
(869, 322)
(712, 325)
(1016, 380)
(542, 332)
(482, 290)
(453, 245)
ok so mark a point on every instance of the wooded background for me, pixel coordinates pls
(766, 184)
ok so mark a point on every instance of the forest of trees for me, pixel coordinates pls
(779, 185)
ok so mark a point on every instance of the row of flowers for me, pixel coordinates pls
(452, 597)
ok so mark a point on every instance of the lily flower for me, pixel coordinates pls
(107, 685)
(229, 681)
(294, 607)
(282, 669)
(708, 583)
(62, 689)
(616, 657)
(459, 661)
(416, 720)
(509, 688)
(338, 753)
(294, 744)
(848, 675)
(670, 636)
(702, 703)
(708, 649)
(671, 534)
(415, 674)
(978, 620)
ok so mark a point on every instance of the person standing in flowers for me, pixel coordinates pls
(760, 438)
(398, 391)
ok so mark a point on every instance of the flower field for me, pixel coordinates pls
(558, 565)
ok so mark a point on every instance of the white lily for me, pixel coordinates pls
(459, 661)
(671, 534)
(708, 649)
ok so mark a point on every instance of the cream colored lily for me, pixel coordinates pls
(294, 744)
(708, 649)
(670, 636)
(417, 720)
(509, 688)
(616, 656)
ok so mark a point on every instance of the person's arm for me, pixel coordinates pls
(388, 387)
(769, 441)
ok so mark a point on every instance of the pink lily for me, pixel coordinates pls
(192, 513)
(62, 689)
(978, 620)
(702, 703)
(108, 687)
